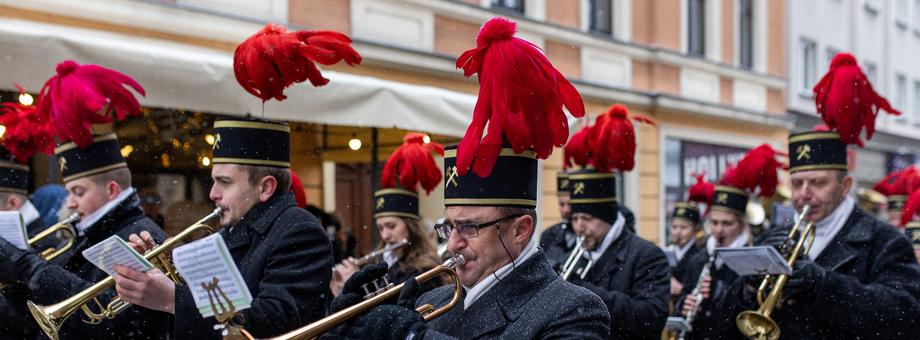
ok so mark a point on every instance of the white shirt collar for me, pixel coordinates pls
(827, 228)
(740, 241)
(29, 213)
(612, 235)
(475, 292)
(680, 251)
(390, 258)
(91, 219)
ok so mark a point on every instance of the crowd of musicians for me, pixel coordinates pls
(589, 277)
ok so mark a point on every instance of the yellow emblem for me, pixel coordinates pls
(452, 175)
(564, 184)
(722, 198)
(681, 211)
(216, 142)
(803, 152)
(380, 202)
(62, 163)
(915, 236)
(579, 188)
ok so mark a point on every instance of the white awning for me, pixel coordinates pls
(193, 78)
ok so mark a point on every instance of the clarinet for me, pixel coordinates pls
(697, 294)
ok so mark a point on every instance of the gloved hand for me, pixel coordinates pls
(352, 293)
(805, 280)
(391, 322)
(17, 265)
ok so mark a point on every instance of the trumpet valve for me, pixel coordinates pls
(376, 287)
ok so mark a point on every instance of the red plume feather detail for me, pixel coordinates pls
(613, 140)
(413, 164)
(702, 191)
(577, 151)
(81, 95)
(846, 101)
(911, 207)
(758, 169)
(27, 132)
(272, 59)
(901, 182)
(297, 188)
(521, 96)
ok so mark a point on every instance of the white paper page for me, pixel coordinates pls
(671, 255)
(115, 251)
(756, 260)
(203, 260)
(12, 229)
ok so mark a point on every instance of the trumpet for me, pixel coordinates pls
(758, 324)
(51, 317)
(378, 253)
(427, 311)
(64, 226)
(570, 262)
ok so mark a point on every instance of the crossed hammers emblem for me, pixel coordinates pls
(380, 202)
(579, 188)
(451, 176)
(803, 152)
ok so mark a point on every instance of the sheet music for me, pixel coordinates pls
(203, 260)
(671, 255)
(757, 260)
(115, 251)
(13, 230)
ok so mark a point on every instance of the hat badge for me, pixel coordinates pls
(681, 211)
(380, 202)
(579, 188)
(62, 163)
(564, 184)
(722, 198)
(803, 152)
(451, 174)
(216, 142)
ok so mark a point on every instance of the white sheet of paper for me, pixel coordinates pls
(756, 260)
(671, 255)
(678, 324)
(13, 230)
(203, 260)
(115, 251)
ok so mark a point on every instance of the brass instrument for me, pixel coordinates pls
(758, 324)
(570, 263)
(51, 317)
(65, 226)
(697, 294)
(363, 260)
(427, 311)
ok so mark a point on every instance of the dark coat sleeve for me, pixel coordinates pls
(290, 293)
(641, 312)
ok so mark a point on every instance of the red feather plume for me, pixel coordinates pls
(27, 132)
(901, 182)
(846, 101)
(413, 164)
(81, 95)
(521, 96)
(613, 140)
(577, 151)
(702, 191)
(273, 59)
(300, 196)
(758, 169)
(911, 207)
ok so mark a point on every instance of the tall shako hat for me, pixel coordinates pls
(847, 104)
(81, 101)
(575, 154)
(14, 176)
(611, 145)
(26, 133)
(411, 165)
(521, 98)
(251, 141)
(757, 172)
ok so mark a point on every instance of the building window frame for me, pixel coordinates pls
(596, 16)
(901, 13)
(745, 38)
(807, 67)
(900, 95)
(916, 107)
(515, 7)
(696, 28)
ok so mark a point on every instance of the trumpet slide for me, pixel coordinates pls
(51, 317)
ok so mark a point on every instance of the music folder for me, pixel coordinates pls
(757, 260)
(13, 229)
(678, 324)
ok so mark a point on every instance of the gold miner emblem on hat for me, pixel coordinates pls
(579, 188)
(451, 174)
(803, 152)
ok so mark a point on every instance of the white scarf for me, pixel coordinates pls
(29, 213)
(827, 228)
(739, 241)
(390, 258)
(475, 292)
(612, 235)
(91, 219)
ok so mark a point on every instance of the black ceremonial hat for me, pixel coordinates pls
(14, 177)
(594, 193)
(252, 142)
(396, 202)
(731, 199)
(512, 183)
(913, 232)
(687, 211)
(817, 150)
(103, 155)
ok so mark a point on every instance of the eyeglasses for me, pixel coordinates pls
(468, 230)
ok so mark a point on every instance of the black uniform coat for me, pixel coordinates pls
(682, 271)
(869, 287)
(553, 243)
(715, 318)
(15, 320)
(285, 259)
(633, 279)
(532, 302)
(53, 283)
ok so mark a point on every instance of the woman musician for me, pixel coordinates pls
(405, 246)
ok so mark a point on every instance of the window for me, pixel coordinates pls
(601, 16)
(917, 102)
(900, 94)
(872, 73)
(807, 68)
(509, 5)
(746, 33)
(900, 13)
(916, 9)
(696, 40)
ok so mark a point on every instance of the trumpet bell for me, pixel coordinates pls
(44, 316)
(755, 325)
